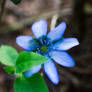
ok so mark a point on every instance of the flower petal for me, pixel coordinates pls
(51, 71)
(27, 42)
(39, 28)
(66, 44)
(57, 33)
(32, 71)
(62, 58)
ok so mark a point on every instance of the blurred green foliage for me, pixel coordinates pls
(16, 1)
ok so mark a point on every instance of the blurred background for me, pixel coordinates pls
(16, 20)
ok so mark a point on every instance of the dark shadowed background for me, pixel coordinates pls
(16, 20)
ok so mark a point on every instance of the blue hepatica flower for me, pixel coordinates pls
(51, 45)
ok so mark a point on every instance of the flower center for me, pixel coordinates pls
(44, 49)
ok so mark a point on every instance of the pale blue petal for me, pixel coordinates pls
(51, 71)
(62, 58)
(57, 33)
(66, 44)
(27, 42)
(32, 71)
(39, 28)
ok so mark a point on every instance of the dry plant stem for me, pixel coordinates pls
(2, 6)
(31, 20)
(54, 21)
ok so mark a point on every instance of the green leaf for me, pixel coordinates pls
(27, 60)
(16, 1)
(10, 70)
(8, 55)
(35, 83)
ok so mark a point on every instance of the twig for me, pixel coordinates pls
(30, 21)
